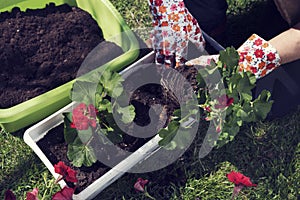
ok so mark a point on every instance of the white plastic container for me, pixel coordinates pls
(39, 130)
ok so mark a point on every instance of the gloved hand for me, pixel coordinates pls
(256, 55)
(173, 27)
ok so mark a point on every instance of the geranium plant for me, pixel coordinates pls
(225, 99)
(92, 117)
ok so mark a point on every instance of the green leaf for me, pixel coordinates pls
(244, 86)
(112, 82)
(84, 92)
(248, 108)
(69, 133)
(105, 104)
(200, 81)
(228, 133)
(246, 96)
(99, 89)
(177, 113)
(111, 131)
(182, 138)
(114, 137)
(242, 114)
(168, 133)
(262, 105)
(239, 122)
(229, 57)
(127, 113)
(264, 96)
(252, 78)
(85, 135)
(233, 80)
(207, 71)
(81, 154)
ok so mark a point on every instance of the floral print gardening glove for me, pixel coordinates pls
(173, 27)
(256, 55)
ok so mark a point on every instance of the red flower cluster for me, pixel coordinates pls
(240, 179)
(223, 102)
(9, 195)
(33, 195)
(65, 194)
(65, 171)
(84, 116)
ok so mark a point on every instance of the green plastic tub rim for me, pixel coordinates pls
(114, 29)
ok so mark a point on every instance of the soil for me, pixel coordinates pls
(55, 148)
(43, 49)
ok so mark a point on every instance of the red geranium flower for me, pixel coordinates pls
(80, 122)
(223, 102)
(65, 171)
(84, 116)
(140, 185)
(240, 179)
(92, 115)
(65, 194)
(33, 195)
(9, 195)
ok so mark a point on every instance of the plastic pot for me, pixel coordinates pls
(114, 29)
(39, 130)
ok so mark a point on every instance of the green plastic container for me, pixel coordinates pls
(114, 29)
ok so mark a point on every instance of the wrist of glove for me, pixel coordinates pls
(173, 27)
(256, 55)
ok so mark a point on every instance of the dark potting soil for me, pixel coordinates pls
(55, 148)
(43, 49)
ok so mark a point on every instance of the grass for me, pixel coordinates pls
(268, 152)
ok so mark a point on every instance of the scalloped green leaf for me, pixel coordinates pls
(127, 113)
(168, 133)
(84, 92)
(112, 82)
(229, 57)
(81, 154)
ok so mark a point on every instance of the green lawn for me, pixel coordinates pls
(268, 151)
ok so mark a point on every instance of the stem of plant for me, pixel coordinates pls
(89, 141)
(149, 196)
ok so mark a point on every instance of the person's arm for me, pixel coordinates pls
(287, 44)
